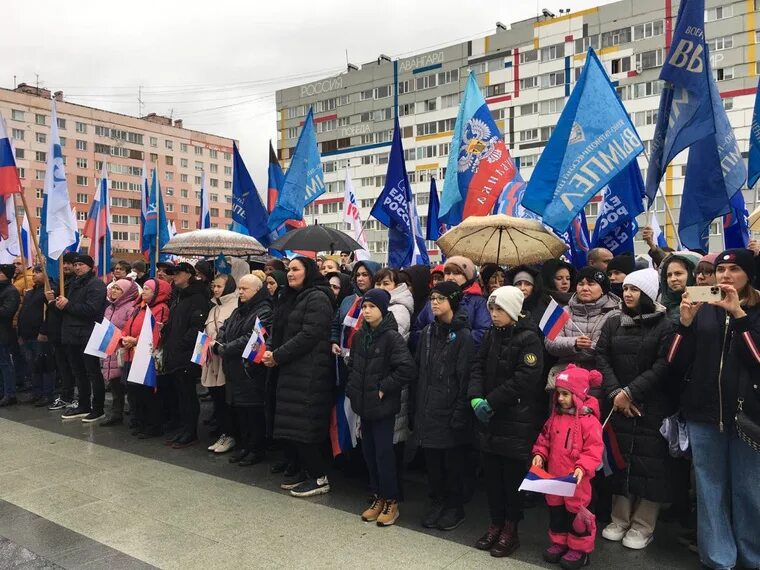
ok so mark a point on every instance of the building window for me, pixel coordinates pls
(728, 103)
(169, 176)
(39, 175)
(40, 156)
(529, 135)
(39, 119)
(81, 216)
(154, 141)
(620, 65)
(528, 56)
(81, 163)
(169, 144)
(81, 181)
(648, 30)
(19, 153)
(183, 147)
(228, 171)
(40, 137)
(17, 115)
(184, 209)
(183, 193)
(212, 153)
(18, 134)
(719, 13)
(198, 151)
(649, 59)
(82, 198)
(723, 73)
(553, 52)
(183, 178)
(227, 185)
(529, 109)
(81, 145)
(718, 44)
(552, 79)
(61, 123)
(528, 82)
(169, 160)
(185, 225)
(81, 127)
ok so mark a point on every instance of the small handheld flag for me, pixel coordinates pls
(95, 341)
(254, 350)
(554, 319)
(143, 369)
(539, 481)
(202, 346)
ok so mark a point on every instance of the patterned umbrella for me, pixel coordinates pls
(212, 242)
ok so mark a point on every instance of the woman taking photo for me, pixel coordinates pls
(717, 349)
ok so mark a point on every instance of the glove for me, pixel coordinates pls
(483, 410)
(217, 348)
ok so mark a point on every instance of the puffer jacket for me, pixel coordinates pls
(507, 373)
(86, 306)
(379, 362)
(443, 416)
(118, 312)
(187, 316)
(212, 374)
(630, 355)
(402, 307)
(158, 308)
(246, 382)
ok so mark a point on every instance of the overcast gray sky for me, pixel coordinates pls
(218, 64)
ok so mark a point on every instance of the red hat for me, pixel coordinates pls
(578, 380)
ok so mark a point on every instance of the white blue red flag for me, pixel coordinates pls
(205, 221)
(539, 481)
(352, 217)
(98, 227)
(554, 319)
(254, 350)
(143, 369)
(10, 183)
(202, 346)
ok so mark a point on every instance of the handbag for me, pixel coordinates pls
(746, 428)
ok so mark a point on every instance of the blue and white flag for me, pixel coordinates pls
(205, 220)
(144, 199)
(659, 236)
(143, 369)
(621, 203)
(395, 209)
(247, 208)
(304, 180)
(593, 141)
(754, 143)
(736, 224)
(435, 228)
(156, 228)
(510, 201)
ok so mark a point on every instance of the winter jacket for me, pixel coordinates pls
(402, 307)
(507, 373)
(158, 308)
(535, 305)
(672, 299)
(336, 327)
(379, 362)
(31, 316)
(710, 394)
(86, 306)
(9, 303)
(118, 312)
(548, 271)
(442, 415)
(419, 279)
(212, 374)
(53, 316)
(187, 316)
(630, 355)
(246, 382)
(301, 350)
(588, 318)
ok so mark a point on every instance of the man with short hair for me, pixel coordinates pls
(140, 271)
(9, 303)
(599, 257)
(53, 320)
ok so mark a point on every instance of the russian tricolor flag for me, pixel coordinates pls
(143, 369)
(200, 352)
(97, 227)
(553, 320)
(539, 481)
(111, 338)
(254, 350)
(10, 183)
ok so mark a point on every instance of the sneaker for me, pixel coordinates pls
(112, 421)
(278, 467)
(251, 458)
(73, 405)
(614, 532)
(93, 417)
(371, 513)
(293, 481)
(636, 540)
(574, 559)
(490, 537)
(58, 404)
(238, 455)
(312, 487)
(451, 518)
(389, 514)
(225, 443)
(74, 414)
(430, 520)
(214, 445)
(8, 402)
(555, 552)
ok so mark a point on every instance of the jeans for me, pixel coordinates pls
(728, 496)
(37, 355)
(8, 371)
(377, 446)
(86, 369)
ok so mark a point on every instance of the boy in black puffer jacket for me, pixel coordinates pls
(379, 367)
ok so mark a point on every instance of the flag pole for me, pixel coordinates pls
(665, 201)
(33, 231)
(20, 245)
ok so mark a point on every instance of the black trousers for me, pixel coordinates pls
(187, 400)
(311, 458)
(251, 424)
(167, 391)
(117, 393)
(63, 369)
(222, 413)
(90, 384)
(503, 476)
(445, 469)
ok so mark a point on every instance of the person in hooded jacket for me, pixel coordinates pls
(341, 333)
(676, 274)
(528, 280)
(224, 301)
(145, 403)
(417, 277)
(505, 379)
(340, 285)
(299, 347)
(630, 354)
(559, 279)
(276, 282)
(380, 367)
(246, 381)
(121, 300)
(32, 335)
(443, 419)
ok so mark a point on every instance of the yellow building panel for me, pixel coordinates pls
(535, 43)
(434, 136)
(600, 52)
(751, 69)
(426, 166)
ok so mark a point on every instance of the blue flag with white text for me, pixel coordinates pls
(621, 202)
(754, 143)
(247, 208)
(593, 141)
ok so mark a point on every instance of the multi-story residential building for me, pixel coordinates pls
(526, 72)
(91, 136)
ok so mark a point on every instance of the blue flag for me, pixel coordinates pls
(621, 203)
(593, 141)
(247, 208)
(576, 240)
(304, 180)
(736, 224)
(754, 143)
(221, 265)
(156, 229)
(205, 217)
(434, 228)
(510, 201)
(395, 209)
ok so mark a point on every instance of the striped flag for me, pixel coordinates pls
(143, 369)
(555, 317)
(97, 227)
(254, 350)
(144, 199)
(104, 339)
(202, 346)
(539, 481)
(344, 424)
(10, 183)
(205, 220)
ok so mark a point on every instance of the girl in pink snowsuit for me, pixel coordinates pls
(571, 443)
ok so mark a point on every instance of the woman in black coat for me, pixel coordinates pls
(300, 348)
(246, 381)
(631, 357)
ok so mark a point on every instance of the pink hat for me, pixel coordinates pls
(578, 380)
(710, 258)
(124, 284)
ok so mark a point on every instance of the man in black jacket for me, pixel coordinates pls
(187, 316)
(83, 306)
(53, 321)
(9, 302)
(33, 339)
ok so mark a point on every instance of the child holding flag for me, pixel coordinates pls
(571, 442)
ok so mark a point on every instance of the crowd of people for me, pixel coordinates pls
(648, 399)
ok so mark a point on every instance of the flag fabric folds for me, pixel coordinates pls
(539, 481)
(622, 201)
(247, 207)
(156, 229)
(98, 227)
(593, 141)
(144, 200)
(736, 224)
(435, 228)
(659, 236)
(577, 241)
(275, 179)
(256, 347)
(304, 180)
(555, 317)
(143, 369)
(200, 351)
(754, 143)
(352, 217)
(205, 219)
(104, 339)
(10, 183)
(479, 165)
(395, 209)
(9, 246)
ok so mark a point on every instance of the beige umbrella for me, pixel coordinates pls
(212, 242)
(754, 221)
(501, 239)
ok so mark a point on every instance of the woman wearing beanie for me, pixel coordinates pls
(559, 279)
(631, 358)
(504, 386)
(121, 299)
(717, 350)
(676, 273)
(442, 426)
(705, 271)
(528, 280)
(618, 267)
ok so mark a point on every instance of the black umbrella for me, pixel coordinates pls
(315, 238)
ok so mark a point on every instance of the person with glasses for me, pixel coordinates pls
(705, 271)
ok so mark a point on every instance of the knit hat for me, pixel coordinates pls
(645, 279)
(744, 258)
(124, 284)
(523, 276)
(625, 263)
(710, 258)
(451, 291)
(577, 381)
(593, 274)
(185, 267)
(378, 297)
(204, 268)
(86, 259)
(70, 257)
(9, 270)
(508, 298)
(463, 265)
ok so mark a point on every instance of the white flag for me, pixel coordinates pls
(352, 217)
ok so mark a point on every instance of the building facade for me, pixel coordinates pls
(526, 72)
(91, 136)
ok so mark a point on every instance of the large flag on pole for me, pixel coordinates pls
(754, 143)
(144, 200)
(10, 183)
(622, 201)
(98, 227)
(593, 141)
(659, 236)
(275, 179)
(736, 224)
(352, 217)
(577, 241)
(247, 208)
(395, 209)
(304, 180)
(479, 165)
(156, 230)
(435, 228)
(205, 218)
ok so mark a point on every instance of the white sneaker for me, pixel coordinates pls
(214, 445)
(224, 444)
(614, 532)
(636, 540)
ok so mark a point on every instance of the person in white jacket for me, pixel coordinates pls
(402, 301)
